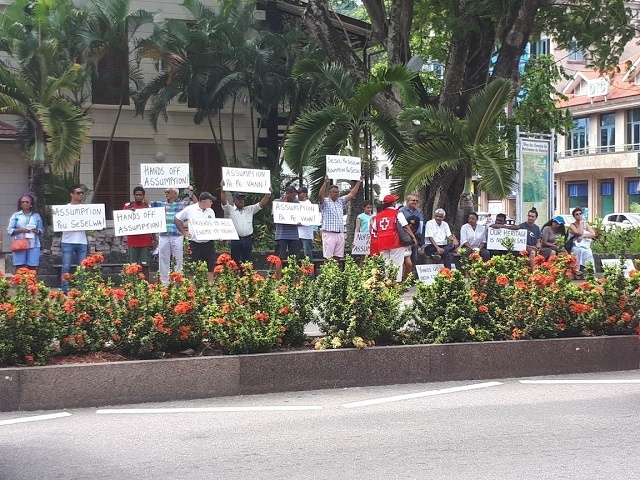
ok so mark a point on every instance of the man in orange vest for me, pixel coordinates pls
(384, 234)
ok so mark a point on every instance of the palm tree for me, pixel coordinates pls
(109, 29)
(473, 144)
(341, 120)
(35, 84)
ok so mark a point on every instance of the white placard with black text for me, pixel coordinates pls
(615, 262)
(296, 213)
(69, 218)
(246, 180)
(340, 167)
(164, 175)
(361, 243)
(213, 229)
(139, 221)
(427, 273)
(495, 235)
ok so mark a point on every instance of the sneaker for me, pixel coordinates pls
(435, 256)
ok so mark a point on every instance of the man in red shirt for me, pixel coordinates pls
(138, 246)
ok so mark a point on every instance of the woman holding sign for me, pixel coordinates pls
(26, 224)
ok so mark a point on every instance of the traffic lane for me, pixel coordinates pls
(506, 431)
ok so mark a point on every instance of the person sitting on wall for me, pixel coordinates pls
(501, 222)
(439, 241)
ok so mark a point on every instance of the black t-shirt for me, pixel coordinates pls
(533, 233)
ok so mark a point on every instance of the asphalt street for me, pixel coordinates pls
(570, 427)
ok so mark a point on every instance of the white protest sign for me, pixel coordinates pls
(88, 216)
(164, 175)
(246, 180)
(340, 167)
(213, 229)
(427, 273)
(495, 235)
(139, 221)
(361, 243)
(296, 213)
(615, 262)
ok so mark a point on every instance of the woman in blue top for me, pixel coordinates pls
(26, 223)
(362, 220)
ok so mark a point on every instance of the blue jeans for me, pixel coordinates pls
(68, 250)
(242, 249)
(307, 247)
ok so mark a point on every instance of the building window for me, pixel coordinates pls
(113, 190)
(633, 129)
(633, 195)
(606, 197)
(607, 132)
(206, 169)
(578, 138)
(542, 47)
(578, 194)
(576, 54)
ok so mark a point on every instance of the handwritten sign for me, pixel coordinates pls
(296, 213)
(344, 168)
(68, 218)
(361, 243)
(615, 263)
(213, 229)
(495, 235)
(427, 273)
(137, 222)
(246, 180)
(166, 175)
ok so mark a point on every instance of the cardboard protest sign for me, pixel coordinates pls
(88, 216)
(361, 243)
(427, 273)
(165, 175)
(495, 235)
(139, 221)
(340, 167)
(246, 180)
(296, 213)
(615, 262)
(213, 229)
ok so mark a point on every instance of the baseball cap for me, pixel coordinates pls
(558, 219)
(206, 196)
(239, 195)
(390, 199)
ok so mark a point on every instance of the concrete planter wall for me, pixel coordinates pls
(94, 385)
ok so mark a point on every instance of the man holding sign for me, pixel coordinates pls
(242, 217)
(138, 245)
(201, 250)
(332, 209)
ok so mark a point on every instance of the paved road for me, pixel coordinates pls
(502, 429)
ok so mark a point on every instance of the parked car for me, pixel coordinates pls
(622, 220)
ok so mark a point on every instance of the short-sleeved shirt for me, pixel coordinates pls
(75, 236)
(170, 210)
(473, 237)
(242, 219)
(142, 240)
(285, 231)
(549, 236)
(414, 213)
(194, 211)
(439, 233)
(333, 214)
(364, 222)
(533, 233)
(305, 231)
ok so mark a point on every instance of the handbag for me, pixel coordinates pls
(405, 238)
(19, 244)
(568, 244)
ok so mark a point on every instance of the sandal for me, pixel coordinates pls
(578, 275)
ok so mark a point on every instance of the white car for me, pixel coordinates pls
(622, 220)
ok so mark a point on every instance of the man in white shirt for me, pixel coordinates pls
(73, 242)
(242, 217)
(201, 250)
(439, 241)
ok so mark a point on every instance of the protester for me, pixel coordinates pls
(332, 208)
(414, 224)
(139, 246)
(171, 242)
(385, 239)
(583, 235)
(26, 224)
(533, 236)
(201, 250)
(500, 223)
(74, 242)
(305, 232)
(287, 237)
(439, 241)
(242, 217)
(410, 209)
(472, 237)
(551, 232)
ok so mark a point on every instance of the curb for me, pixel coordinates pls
(140, 381)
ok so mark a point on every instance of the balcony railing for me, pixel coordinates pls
(599, 150)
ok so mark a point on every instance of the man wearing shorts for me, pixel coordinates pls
(201, 250)
(332, 208)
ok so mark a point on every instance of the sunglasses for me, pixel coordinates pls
(79, 193)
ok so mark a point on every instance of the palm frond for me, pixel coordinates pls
(486, 107)
(385, 129)
(496, 169)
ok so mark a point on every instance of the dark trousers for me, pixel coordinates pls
(446, 256)
(242, 249)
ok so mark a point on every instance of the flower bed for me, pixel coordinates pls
(354, 307)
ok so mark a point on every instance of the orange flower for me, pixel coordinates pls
(118, 293)
(84, 317)
(218, 269)
(307, 269)
(611, 319)
(520, 285)
(28, 358)
(226, 307)
(182, 307)
(561, 326)
(283, 329)
(176, 277)
(445, 272)
(483, 309)
(132, 269)
(579, 308)
(224, 259)
(474, 256)
(274, 260)
(284, 310)
(502, 280)
(626, 317)
(261, 316)
(117, 321)
(115, 337)
(184, 332)
(257, 278)
(69, 306)
(515, 334)
(134, 302)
